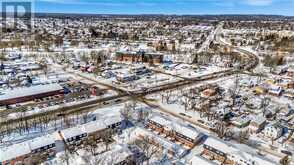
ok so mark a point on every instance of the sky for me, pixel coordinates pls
(275, 7)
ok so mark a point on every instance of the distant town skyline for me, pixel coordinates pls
(272, 7)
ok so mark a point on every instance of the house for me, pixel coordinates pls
(286, 83)
(290, 72)
(273, 131)
(14, 154)
(47, 144)
(19, 153)
(73, 135)
(257, 124)
(18, 95)
(175, 131)
(76, 135)
(249, 83)
(275, 90)
(44, 144)
(186, 135)
(217, 150)
(286, 114)
(226, 153)
(173, 149)
(241, 121)
(113, 122)
(259, 90)
(93, 130)
(199, 160)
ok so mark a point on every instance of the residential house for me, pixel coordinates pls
(273, 131)
(175, 131)
(257, 124)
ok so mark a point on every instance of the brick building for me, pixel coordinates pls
(139, 57)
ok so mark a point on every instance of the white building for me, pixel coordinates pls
(235, 154)
(197, 160)
(273, 131)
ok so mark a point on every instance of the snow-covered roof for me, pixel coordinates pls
(26, 147)
(14, 151)
(170, 145)
(196, 160)
(90, 127)
(112, 120)
(43, 141)
(160, 120)
(258, 119)
(219, 145)
(93, 127)
(190, 133)
(29, 91)
(238, 153)
(73, 132)
(184, 130)
(178, 149)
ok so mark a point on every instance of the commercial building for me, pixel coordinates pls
(18, 95)
(139, 57)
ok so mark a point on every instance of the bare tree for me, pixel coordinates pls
(168, 94)
(186, 102)
(222, 130)
(126, 112)
(243, 136)
(106, 137)
(44, 67)
(91, 146)
(234, 92)
(264, 104)
(205, 110)
(147, 145)
(143, 115)
(107, 159)
(65, 158)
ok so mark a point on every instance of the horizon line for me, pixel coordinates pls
(163, 14)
